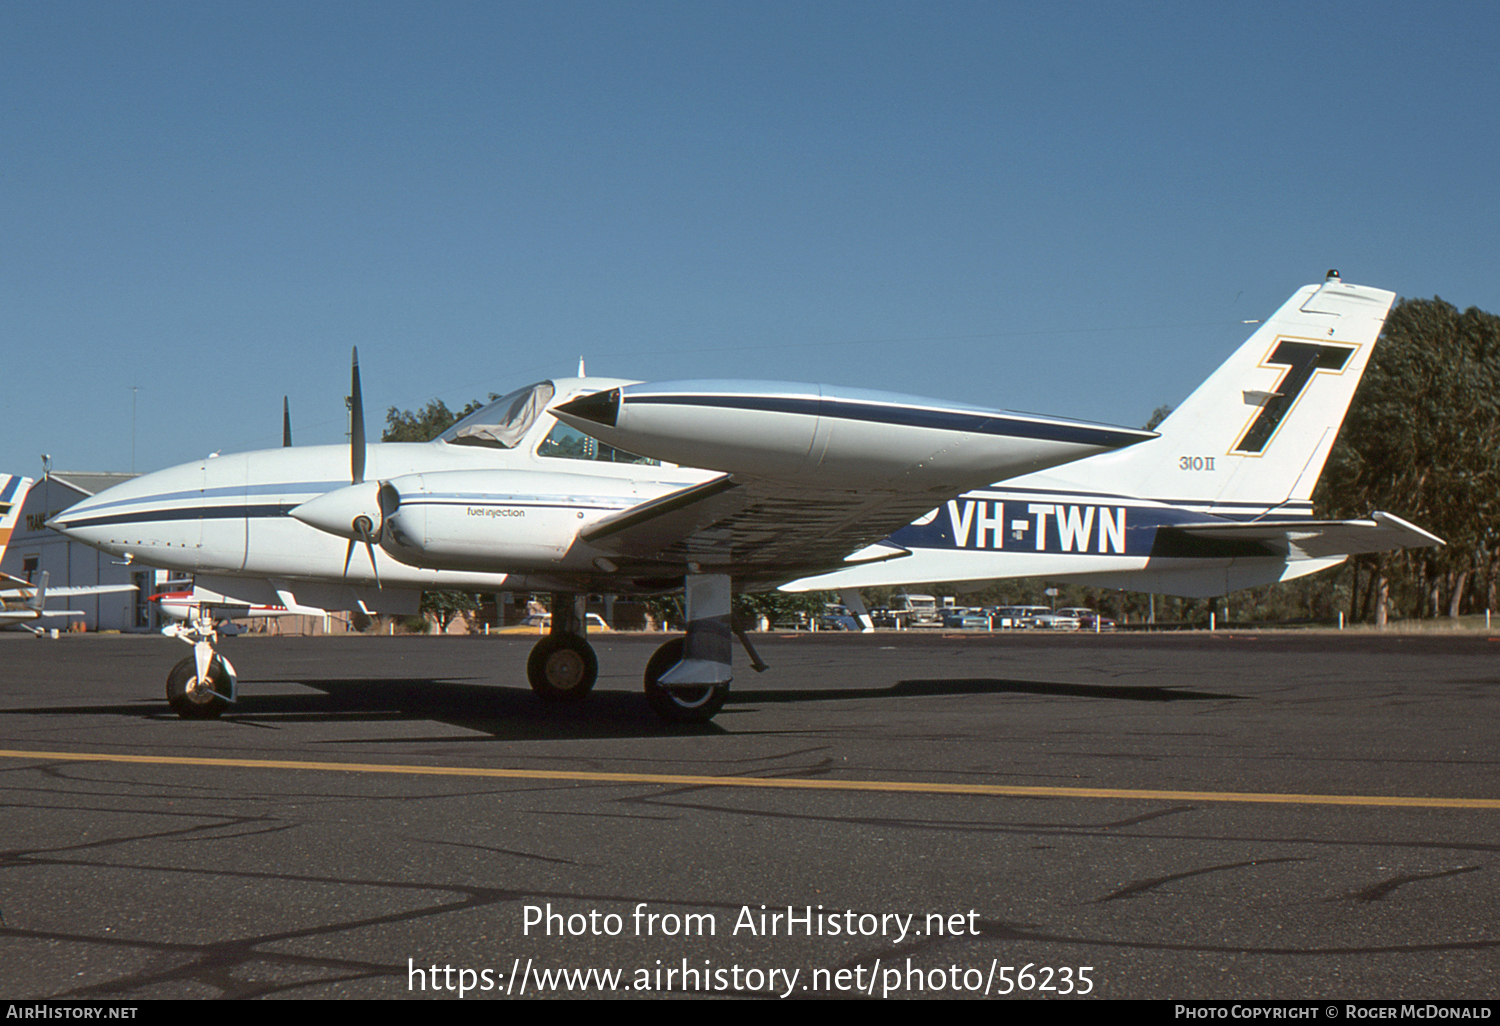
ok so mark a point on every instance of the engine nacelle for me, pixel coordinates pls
(498, 520)
(502, 521)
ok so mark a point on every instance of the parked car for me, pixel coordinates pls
(838, 618)
(966, 619)
(1088, 619)
(1045, 619)
(1008, 617)
(540, 623)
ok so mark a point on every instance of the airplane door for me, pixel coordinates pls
(222, 514)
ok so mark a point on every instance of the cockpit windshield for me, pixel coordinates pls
(504, 422)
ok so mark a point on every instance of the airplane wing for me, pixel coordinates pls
(1302, 539)
(17, 588)
(88, 589)
(758, 529)
(810, 473)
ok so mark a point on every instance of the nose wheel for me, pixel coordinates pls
(195, 698)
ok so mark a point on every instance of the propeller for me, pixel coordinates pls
(358, 511)
(362, 525)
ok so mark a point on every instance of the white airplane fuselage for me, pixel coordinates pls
(230, 516)
(475, 517)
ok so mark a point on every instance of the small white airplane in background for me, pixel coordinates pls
(185, 606)
(23, 603)
(186, 613)
(181, 606)
(709, 487)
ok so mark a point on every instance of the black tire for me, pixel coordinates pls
(192, 703)
(562, 668)
(680, 705)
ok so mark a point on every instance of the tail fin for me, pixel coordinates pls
(1256, 434)
(12, 496)
(38, 601)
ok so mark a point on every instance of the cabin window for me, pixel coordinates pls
(564, 442)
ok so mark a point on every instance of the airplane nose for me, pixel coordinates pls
(64, 523)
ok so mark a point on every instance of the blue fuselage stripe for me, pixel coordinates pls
(239, 512)
(946, 420)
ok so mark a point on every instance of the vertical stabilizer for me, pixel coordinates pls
(39, 600)
(1257, 433)
(12, 496)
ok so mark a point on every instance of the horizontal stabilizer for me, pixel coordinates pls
(1316, 539)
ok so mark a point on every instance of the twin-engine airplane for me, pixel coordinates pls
(710, 487)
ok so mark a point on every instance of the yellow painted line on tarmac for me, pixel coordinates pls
(775, 783)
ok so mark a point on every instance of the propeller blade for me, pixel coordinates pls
(365, 530)
(348, 554)
(286, 423)
(356, 425)
(370, 548)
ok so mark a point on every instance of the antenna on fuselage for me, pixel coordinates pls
(581, 372)
(286, 423)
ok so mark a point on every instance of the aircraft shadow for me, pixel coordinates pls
(515, 713)
(981, 686)
(503, 712)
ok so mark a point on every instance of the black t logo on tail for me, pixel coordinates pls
(1302, 359)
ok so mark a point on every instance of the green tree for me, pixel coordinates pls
(425, 425)
(1420, 442)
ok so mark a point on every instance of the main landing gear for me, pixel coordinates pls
(682, 704)
(562, 666)
(686, 680)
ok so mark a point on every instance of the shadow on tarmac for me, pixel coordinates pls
(513, 713)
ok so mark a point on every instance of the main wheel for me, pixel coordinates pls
(683, 704)
(562, 667)
(193, 699)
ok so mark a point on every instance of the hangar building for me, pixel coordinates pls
(36, 549)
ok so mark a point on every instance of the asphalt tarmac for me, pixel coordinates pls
(1226, 816)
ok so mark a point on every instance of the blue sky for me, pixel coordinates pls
(1064, 208)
